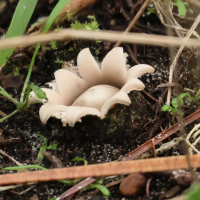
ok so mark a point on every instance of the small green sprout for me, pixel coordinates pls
(16, 71)
(97, 51)
(53, 45)
(69, 16)
(42, 148)
(59, 61)
(178, 101)
(53, 146)
(181, 8)
(98, 41)
(81, 159)
(150, 11)
(70, 49)
(93, 25)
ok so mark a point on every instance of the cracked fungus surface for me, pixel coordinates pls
(100, 87)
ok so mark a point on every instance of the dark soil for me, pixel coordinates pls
(97, 141)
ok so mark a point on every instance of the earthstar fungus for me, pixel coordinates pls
(100, 87)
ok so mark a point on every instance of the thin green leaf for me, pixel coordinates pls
(181, 8)
(38, 91)
(167, 108)
(4, 93)
(81, 159)
(24, 167)
(11, 114)
(102, 188)
(53, 147)
(178, 101)
(21, 17)
(59, 6)
(193, 193)
(197, 96)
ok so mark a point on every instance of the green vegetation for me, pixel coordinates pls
(70, 49)
(16, 71)
(150, 11)
(193, 193)
(81, 159)
(53, 45)
(58, 61)
(17, 27)
(69, 16)
(98, 185)
(53, 146)
(93, 25)
(178, 101)
(42, 148)
(20, 20)
(181, 8)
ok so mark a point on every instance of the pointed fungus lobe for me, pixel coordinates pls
(100, 87)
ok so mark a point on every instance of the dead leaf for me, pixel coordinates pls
(11, 81)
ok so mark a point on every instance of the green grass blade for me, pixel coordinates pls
(21, 17)
(24, 167)
(42, 148)
(59, 6)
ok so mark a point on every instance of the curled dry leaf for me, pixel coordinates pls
(98, 89)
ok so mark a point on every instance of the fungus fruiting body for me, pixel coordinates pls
(99, 88)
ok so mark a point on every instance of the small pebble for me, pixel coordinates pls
(133, 184)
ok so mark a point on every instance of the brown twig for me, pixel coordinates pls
(131, 54)
(172, 67)
(137, 16)
(161, 136)
(147, 188)
(106, 169)
(112, 36)
(3, 114)
(150, 96)
(10, 158)
(10, 141)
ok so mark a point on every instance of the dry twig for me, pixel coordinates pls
(137, 16)
(112, 36)
(10, 158)
(172, 67)
(106, 169)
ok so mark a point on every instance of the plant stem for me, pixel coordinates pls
(4, 93)
(29, 72)
(24, 167)
(11, 114)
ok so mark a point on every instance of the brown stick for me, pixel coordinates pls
(161, 136)
(112, 36)
(107, 169)
(137, 16)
